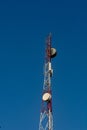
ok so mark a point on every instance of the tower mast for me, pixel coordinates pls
(46, 117)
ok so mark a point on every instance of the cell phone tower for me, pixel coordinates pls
(46, 117)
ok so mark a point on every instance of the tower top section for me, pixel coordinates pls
(48, 71)
(50, 52)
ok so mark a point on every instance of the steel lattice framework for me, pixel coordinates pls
(46, 118)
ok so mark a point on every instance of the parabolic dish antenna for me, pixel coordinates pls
(46, 96)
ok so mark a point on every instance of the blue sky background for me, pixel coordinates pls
(24, 25)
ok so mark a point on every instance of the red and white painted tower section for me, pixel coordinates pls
(46, 118)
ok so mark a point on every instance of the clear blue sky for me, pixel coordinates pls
(24, 25)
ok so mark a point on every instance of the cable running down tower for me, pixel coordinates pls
(46, 118)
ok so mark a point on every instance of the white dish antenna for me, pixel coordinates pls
(46, 96)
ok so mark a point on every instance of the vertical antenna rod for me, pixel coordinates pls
(46, 118)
